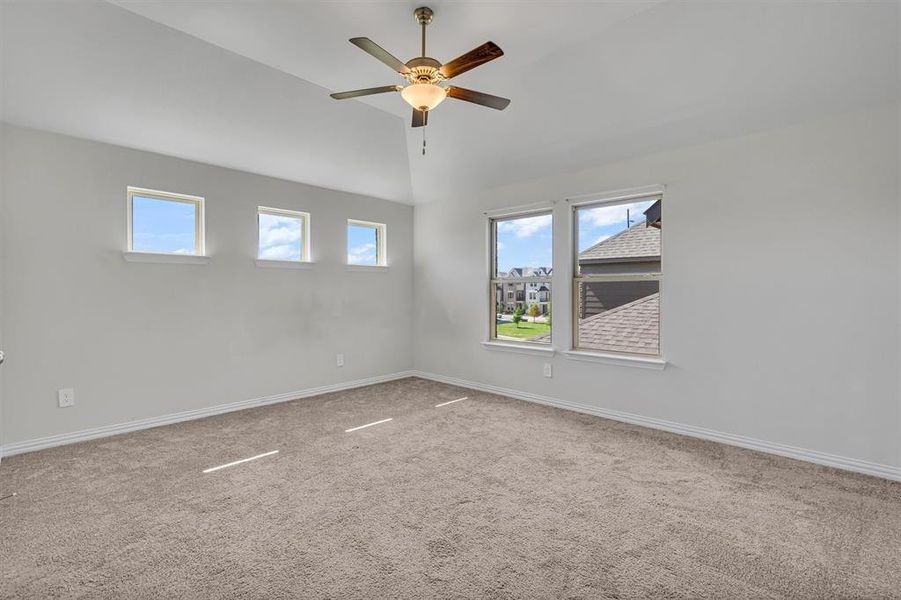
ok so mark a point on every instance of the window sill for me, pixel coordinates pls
(622, 360)
(372, 268)
(174, 259)
(283, 264)
(518, 348)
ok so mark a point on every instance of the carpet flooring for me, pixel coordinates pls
(488, 497)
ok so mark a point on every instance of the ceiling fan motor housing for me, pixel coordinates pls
(423, 69)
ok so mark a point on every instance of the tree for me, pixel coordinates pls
(549, 314)
(534, 311)
(517, 315)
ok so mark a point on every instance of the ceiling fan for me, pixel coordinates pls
(425, 75)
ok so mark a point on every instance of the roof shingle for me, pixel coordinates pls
(638, 241)
(632, 327)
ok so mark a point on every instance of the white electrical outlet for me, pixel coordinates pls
(66, 397)
(339, 360)
(548, 372)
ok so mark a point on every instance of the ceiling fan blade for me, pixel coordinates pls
(366, 92)
(495, 102)
(420, 118)
(471, 60)
(367, 45)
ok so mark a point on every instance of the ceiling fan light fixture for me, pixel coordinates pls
(424, 75)
(424, 96)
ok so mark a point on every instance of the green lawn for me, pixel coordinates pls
(526, 329)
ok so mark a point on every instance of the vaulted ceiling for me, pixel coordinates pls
(245, 84)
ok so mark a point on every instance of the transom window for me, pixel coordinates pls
(366, 243)
(165, 223)
(520, 283)
(616, 287)
(283, 234)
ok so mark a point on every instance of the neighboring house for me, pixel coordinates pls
(511, 295)
(633, 250)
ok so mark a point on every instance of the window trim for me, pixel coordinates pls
(493, 217)
(199, 218)
(381, 245)
(613, 198)
(305, 245)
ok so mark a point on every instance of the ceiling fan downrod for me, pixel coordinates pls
(423, 16)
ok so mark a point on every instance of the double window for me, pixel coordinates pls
(521, 270)
(616, 276)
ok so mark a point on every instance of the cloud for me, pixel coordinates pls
(280, 238)
(604, 216)
(281, 252)
(500, 245)
(526, 226)
(363, 254)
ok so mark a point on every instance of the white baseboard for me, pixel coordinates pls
(814, 456)
(199, 413)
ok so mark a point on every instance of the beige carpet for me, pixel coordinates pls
(485, 498)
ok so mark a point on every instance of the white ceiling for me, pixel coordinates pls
(237, 83)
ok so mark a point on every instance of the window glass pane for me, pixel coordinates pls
(619, 316)
(165, 226)
(618, 239)
(523, 311)
(281, 237)
(362, 245)
(524, 246)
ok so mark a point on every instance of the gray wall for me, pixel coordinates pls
(145, 340)
(780, 303)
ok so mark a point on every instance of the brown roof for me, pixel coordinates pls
(632, 327)
(638, 241)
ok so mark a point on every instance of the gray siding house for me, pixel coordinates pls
(633, 250)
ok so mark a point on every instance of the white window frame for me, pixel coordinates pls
(199, 226)
(494, 280)
(381, 244)
(305, 246)
(612, 199)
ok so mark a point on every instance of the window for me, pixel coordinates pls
(520, 286)
(283, 235)
(616, 288)
(366, 244)
(164, 223)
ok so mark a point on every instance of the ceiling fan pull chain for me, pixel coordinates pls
(423, 141)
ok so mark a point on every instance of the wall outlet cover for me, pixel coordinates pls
(66, 397)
